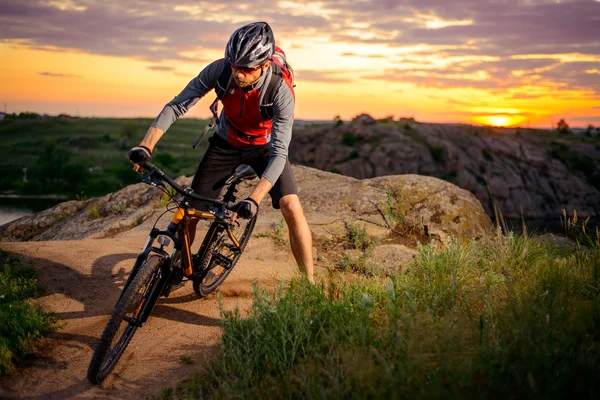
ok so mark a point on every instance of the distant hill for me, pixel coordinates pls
(513, 171)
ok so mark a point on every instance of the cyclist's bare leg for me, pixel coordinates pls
(300, 236)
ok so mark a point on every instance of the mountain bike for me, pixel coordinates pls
(155, 271)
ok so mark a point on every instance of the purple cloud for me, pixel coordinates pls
(350, 54)
(319, 76)
(134, 28)
(160, 68)
(159, 31)
(56, 75)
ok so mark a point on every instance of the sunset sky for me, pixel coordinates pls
(506, 62)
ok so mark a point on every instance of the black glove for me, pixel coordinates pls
(139, 154)
(246, 208)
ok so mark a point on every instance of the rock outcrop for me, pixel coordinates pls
(534, 172)
(89, 219)
(421, 207)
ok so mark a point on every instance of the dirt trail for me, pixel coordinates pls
(83, 280)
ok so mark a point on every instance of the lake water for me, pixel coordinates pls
(12, 208)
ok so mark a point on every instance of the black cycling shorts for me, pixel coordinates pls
(221, 159)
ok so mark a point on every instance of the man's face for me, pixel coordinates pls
(244, 77)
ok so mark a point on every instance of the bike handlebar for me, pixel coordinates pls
(186, 191)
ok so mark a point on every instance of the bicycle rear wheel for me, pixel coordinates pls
(124, 320)
(221, 257)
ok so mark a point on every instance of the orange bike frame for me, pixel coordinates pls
(181, 219)
(184, 233)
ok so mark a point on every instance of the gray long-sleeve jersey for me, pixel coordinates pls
(283, 110)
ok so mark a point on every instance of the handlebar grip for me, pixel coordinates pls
(147, 165)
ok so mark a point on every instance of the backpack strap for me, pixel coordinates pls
(223, 82)
(268, 96)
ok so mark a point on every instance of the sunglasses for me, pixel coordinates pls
(246, 70)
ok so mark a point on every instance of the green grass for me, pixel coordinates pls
(96, 149)
(394, 207)
(186, 360)
(278, 233)
(22, 324)
(513, 317)
(356, 236)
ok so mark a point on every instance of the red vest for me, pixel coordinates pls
(246, 125)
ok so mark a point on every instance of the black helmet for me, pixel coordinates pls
(250, 45)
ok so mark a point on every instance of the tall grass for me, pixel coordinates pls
(513, 317)
(21, 324)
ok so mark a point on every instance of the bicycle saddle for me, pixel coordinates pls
(242, 173)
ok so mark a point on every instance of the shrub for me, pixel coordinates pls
(22, 324)
(437, 153)
(394, 207)
(357, 237)
(277, 233)
(350, 139)
(488, 155)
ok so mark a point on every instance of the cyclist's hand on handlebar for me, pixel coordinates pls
(246, 208)
(138, 155)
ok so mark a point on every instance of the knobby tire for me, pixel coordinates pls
(202, 286)
(130, 304)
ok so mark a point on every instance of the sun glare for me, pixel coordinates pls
(498, 120)
(495, 120)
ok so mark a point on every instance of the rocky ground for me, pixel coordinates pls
(84, 251)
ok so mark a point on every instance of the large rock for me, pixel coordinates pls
(427, 207)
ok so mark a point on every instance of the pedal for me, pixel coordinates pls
(220, 259)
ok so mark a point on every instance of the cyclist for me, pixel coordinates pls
(243, 135)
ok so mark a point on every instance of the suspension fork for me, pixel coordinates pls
(138, 263)
(157, 289)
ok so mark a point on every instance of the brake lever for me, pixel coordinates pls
(152, 179)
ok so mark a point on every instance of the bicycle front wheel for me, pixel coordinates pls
(124, 320)
(221, 256)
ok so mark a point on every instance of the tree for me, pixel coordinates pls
(28, 115)
(338, 121)
(589, 130)
(53, 172)
(51, 164)
(562, 127)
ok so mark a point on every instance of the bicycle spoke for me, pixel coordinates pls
(222, 255)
